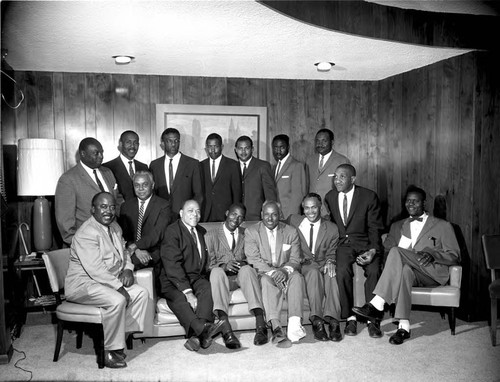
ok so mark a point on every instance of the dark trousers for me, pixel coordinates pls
(346, 257)
(178, 304)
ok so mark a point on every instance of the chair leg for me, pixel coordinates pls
(452, 319)
(79, 338)
(493, 327)
(130, 341)
(99, 345)
(443, 314)
(60, 330)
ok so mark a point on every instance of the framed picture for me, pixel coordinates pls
(196, 122)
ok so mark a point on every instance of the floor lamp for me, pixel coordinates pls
(39, 166)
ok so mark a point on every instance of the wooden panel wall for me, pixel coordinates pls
(436, 127)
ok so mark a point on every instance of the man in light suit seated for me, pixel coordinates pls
(230, 270)
(423, 248)
(273, 248)
(100, 274)
(318, 241)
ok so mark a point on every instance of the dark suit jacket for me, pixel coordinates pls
(154, 223)
(125, 185)
(187, 182)
(364, 223)
(326, 242)
(291, 185)
(225, 191)
(73, 202)
(258, 186)
(182, 265)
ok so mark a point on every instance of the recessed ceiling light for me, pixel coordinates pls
(324, 66)
(123, 59)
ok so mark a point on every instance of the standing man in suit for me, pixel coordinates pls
(184, 277)
(257, 180)
(144, 220)
(273, 248)
(422, 248)
(356, 211)
(290, 176)
(318, 242)
(125, 166)
(177, 176)
(321, 167)
(100, 274)
(222, 180)
(77, 186)
(230, 270)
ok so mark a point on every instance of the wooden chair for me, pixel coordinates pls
(69, 313)
(491, 249)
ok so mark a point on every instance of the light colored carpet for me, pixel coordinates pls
(432, 354)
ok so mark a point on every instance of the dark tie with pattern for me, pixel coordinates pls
(193, 234)
(244, 170)
(139, 222)
(321, 163)
(277, 170)
(345, 209)
(98, 181)
(213, 171)
(130, 169)
(233, 244)
(311, 237)
(170, 176)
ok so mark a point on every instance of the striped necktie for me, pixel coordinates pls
(98, 181)
(139, 222)
(130, 169)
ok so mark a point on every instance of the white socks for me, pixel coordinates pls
(378, 302)
(404, 324)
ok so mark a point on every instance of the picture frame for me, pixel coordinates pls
(196, 122)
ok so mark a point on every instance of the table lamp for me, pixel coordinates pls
(39, 166)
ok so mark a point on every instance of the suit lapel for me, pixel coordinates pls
(222, 167)
(87, 179)
(321, 235)
(223, 239)
(354, 205)
(335, 208)
(429, 223)
(279, 243)
(179, 173)
(284, 168)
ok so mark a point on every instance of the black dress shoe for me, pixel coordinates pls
(335, 334)
(319, 331)
(113, 361)
(209, 331)
(278, 335)
(369, 311)
(374, 329)
(351, 328)
(261, 337)
(399, 337)
(192, 344)
(120, 353)
(230, 340)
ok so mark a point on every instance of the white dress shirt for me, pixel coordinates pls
(349, 194)
(90, 171)
(175, 165)
(305, 228)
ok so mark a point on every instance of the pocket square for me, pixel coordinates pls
(286, 247)
(285, 176)
(330, 175)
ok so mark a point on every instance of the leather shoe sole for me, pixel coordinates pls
(399, 337)
(369, 311)
(113, 360)
(192, 344)
(335, 334)
(374, 330)
(351, 328)
(231, 341)
(261, 337)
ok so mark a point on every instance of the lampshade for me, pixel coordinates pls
(40, 164)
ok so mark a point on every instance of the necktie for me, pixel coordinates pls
(213, 171)
(277, 170)
(139, 222)
(244, 169)
(311, 237)
(272, 244)
(130, 169)
(344, 207)
(170, 176)
(98, 181)
(233, 244)
(420, 219)
(321, 163)
(193, 234)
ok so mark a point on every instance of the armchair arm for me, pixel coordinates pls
(456, 275)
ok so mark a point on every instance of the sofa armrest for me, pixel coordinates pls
(145, 278)
(456, 276)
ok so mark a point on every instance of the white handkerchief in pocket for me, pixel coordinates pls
(404, 242)
(286, 247)
(330, 175)
(285, 176)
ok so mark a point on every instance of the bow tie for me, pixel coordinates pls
(420, 219)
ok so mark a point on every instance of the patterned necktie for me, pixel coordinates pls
(130, 169)
(139, 222)
(233, 244)
(277, 170)
(311, 237)
(98, 181)
(321, 163)
(170, 176)
(213, 171)
(344, 206)
(244, 169)
(272, 244)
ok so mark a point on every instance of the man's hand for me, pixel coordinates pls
(329, 269)
(424, 258)
(125, 294)
(232, 266)
(193, 301)
(127, 278)
(280, 276)
(143, 256)
(366, 257)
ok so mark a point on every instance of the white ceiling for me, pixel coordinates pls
(196, 38)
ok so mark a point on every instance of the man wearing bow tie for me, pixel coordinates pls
(422, 248)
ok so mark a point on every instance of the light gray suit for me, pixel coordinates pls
(292, 186)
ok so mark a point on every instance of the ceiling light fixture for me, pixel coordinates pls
(123, 59)
(324, 66)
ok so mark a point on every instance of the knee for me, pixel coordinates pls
(312, 274)
(267, 281)
(295, 278)
(247, 271)
(217, 274)
(344, 271)
(117, 301)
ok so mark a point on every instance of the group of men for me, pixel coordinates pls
(312, 223)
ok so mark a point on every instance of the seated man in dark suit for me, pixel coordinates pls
(422, 248)
(144, 220)
(318, 241)
(230, 270)
(125, 166)
(356, 212)
(184, 277)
